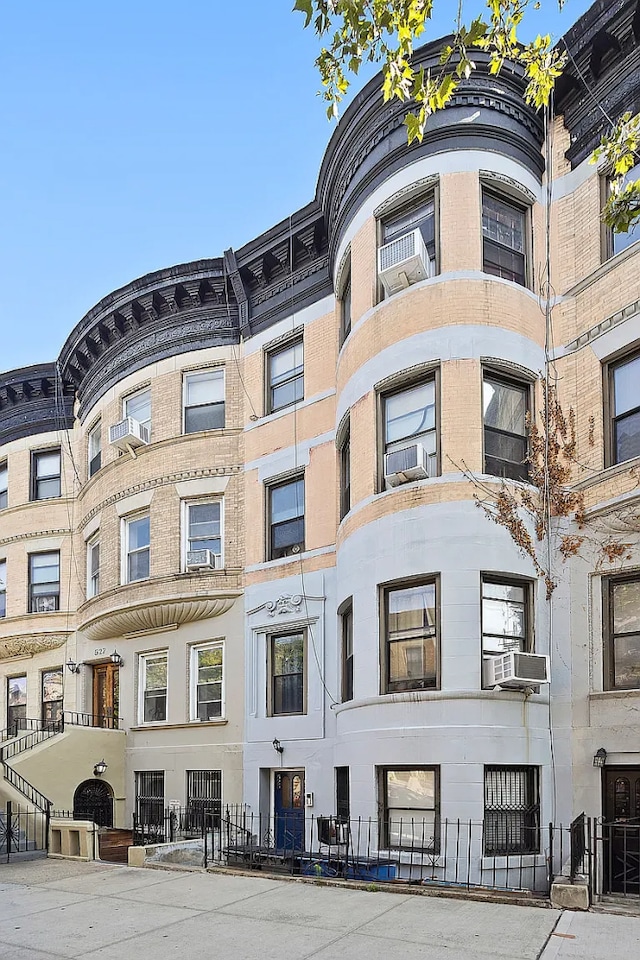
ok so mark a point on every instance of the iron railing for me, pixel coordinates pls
(176, 823)
(578, 845)
(23, 831)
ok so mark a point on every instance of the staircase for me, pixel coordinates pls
(15, 744)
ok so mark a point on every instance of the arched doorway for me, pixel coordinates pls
(93, 800)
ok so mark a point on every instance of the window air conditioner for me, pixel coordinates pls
(46, 604)
(516, 670)
(410, 463)
(202, 560)
(332, 831)
(404, 261)
(128, 434)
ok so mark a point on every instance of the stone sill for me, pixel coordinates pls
(615, 694)
(191, 725)
(413, 696)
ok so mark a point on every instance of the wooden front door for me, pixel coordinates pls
(106, 690)
(621, 830)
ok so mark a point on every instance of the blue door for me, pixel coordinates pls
(288, 806)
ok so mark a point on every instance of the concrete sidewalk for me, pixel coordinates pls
(61, 909)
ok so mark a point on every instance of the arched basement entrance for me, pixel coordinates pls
(93, 800)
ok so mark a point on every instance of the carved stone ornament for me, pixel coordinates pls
(150, 615)
(284, 604)
(26, 646)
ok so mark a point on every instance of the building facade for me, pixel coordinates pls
(242, 503)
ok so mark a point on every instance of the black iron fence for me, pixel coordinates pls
(23, 832)
(447, 854)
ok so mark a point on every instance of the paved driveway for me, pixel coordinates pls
(61, 909)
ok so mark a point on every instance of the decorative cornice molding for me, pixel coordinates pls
(284, 604)
(155, 615)
(160, 482)
(631, 310)
(32, 644)
(37, 535)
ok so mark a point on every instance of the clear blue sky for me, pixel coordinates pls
(139, 134)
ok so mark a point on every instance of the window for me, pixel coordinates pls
(204, 401)
(204, 797)
(287, 661)
(153, 687)
(410, 808)
(94, 444)
(286, 518)
(206, 682)
(204, 528)
(16, 703)
(44, 582)
(409, 418)
(624, 404)
(4, 486)
(505, 408)
(93, 567)
(138, 406)
(150, 798)
(45, 475)
(285, 376)
(137, 540)
(345, 472)
(345, 312)
(622, 633)
(418, 215)
(411, 643)
(347, 653)
(503, 235)
(343, 805)
(3, 588)
(617, 242)
(511, 810)
(52, 694)
(505, 617)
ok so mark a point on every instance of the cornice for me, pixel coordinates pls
(35, 535)
(34, 400)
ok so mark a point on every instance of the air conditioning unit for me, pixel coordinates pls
(46, 604)
(128, 434)
(516, 670)
(404, 261)
(202, 560)
(410, 463)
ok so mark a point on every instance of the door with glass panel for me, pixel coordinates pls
(288, 808)
(106, 687)
(621, 830)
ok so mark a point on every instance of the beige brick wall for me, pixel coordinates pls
(460, 222)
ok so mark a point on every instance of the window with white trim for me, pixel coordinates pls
(203, 529)
(136, 548)
(207, 682)
(152, 679)
(93, 566)
(285, 376)
(138, 406)
(203, 400)
(4, 486)
(94, 448)
(44, 582)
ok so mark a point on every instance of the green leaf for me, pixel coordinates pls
(306, 7)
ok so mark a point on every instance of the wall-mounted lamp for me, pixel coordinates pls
(599, 757)
(72, 666)
(277, 746)
(100, 768)
(116, 659)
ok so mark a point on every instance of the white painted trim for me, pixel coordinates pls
(134, 503)
(292, 408)
(203, 487)
(193, 680)
(92, 526)
(284, 561)
(284, 460)
(451, 161)
(315, 311)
